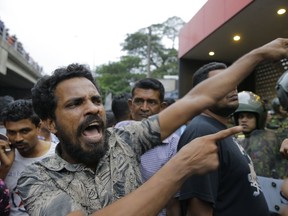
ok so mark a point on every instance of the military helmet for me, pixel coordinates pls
(250, 102)
(282, 90)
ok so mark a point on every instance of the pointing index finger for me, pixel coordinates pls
(225, 133)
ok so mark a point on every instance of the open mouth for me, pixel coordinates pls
(93, 132)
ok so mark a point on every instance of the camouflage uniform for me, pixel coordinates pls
(279, 124)
(263, 148)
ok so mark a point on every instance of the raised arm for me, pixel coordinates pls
(208, 92)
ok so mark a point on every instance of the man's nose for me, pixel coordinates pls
(145, 106)
(19, 137)
(92, 108)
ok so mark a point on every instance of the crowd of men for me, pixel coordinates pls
(150, 160)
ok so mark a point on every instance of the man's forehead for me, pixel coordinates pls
(146, 93)
(21, 124)
(75, 87)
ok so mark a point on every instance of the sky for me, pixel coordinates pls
(56, 33)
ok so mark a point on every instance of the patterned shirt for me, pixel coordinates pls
(4, 199)
(157, 157)
(56, 187)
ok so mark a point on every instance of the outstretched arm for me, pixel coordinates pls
(191, 159)
(211, 90)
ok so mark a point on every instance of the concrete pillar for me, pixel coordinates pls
(3, 60)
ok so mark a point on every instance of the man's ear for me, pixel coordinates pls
(163, 105)
(50, 124)
(130, 104)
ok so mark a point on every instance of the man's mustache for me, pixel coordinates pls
(87, 121)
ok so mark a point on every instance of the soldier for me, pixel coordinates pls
(279, 120)
(282, 94)
(261, 145)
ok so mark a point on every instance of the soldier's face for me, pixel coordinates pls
(248, 121)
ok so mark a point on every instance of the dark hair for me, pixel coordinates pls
(19, 110)
(169, 100)
(43, 93)
(120, 107)
(150, 83)
(110, 118)
(4, 101)
(203, 72)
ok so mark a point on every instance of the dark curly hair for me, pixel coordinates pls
(43, 93)
(19, 110)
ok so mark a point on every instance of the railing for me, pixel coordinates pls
(13, 41)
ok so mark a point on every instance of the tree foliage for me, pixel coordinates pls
(150, 49)
(117, 77)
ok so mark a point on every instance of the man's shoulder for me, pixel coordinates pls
(39, 171)
(50, 162)
(204, 124)
(137, 127)
(264, 135)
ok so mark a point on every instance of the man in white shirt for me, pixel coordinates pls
(22, 148)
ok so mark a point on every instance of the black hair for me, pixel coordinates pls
(150, 83)
(169, 100)
(120, 106)
(110, 118)
(19, 110)
(203, 72)
(4, 101)
(43, 93)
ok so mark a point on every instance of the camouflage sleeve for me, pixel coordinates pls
(50, 200)
(279, 169)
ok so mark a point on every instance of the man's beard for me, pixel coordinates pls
(74, 149)
(223, 111)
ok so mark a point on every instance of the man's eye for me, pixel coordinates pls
(11, 133)
(76, 103)
(152, 103)
(70, 105)
(97, 101)
(25, 131)
(138, 102)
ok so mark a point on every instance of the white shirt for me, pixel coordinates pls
(19, 164)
